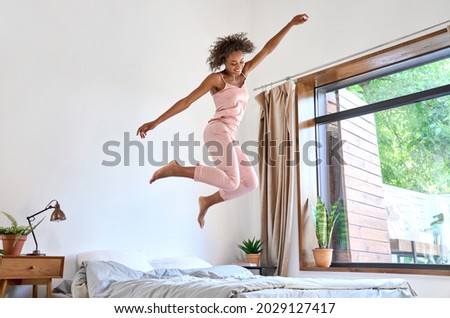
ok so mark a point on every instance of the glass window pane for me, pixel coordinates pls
(392, 169)
(399, 84)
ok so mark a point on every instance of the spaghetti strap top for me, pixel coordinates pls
(230, 103)
(221, 76)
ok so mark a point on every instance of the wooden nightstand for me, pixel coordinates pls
(30, 270)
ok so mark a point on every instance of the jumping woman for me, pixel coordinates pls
(232, 174)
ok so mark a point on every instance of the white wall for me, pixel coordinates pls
(78, 73)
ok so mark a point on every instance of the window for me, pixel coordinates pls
(382, 145)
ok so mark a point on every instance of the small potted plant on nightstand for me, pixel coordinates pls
(252, 249)
(14, 236)
(325, 221)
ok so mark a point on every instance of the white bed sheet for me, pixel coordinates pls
(111, 279)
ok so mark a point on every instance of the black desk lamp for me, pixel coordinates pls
(57, 215)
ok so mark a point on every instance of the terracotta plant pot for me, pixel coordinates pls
(9, 246)
(253, 259)
(323, 256)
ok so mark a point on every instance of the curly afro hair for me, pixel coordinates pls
(223, 46)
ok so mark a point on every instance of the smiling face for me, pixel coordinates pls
(234, 63)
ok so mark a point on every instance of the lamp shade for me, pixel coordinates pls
(58, 214)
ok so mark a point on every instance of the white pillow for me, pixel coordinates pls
(180, 262)
(133, 259)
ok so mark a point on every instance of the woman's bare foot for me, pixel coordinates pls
(166, 171)
(203, 205)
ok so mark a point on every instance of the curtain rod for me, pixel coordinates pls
(318, 68)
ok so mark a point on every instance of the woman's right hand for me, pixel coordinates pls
(300, 19)
(142, 131)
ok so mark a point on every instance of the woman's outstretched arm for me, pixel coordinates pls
(207, 85)
(273, 42)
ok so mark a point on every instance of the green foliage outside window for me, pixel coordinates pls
(413, 140)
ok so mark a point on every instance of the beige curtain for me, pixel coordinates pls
(276, 173)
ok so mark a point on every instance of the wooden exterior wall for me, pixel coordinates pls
(368, 237)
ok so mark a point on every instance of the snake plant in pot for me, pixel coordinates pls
(325, 220)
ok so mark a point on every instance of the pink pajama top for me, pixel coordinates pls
(230, 103)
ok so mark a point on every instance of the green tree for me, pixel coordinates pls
(413, 140)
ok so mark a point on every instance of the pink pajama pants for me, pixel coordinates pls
(232, 172)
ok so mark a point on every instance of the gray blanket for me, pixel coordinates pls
(110, 279)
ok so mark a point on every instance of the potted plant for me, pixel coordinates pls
(252, 249)
(325, 220)
(14, 236)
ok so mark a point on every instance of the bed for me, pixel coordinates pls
(122, 276)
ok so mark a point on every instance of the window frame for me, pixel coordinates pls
(427, 48)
